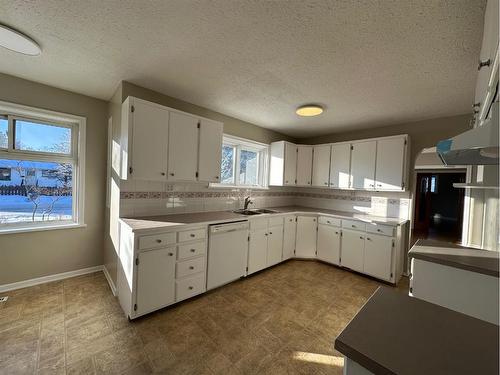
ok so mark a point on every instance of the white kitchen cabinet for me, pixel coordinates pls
(353, 249)
(321, 166)
(257, 250)
(155, 279)
(389, 171)
(363, 156)
(329, 243)
(210, 150)
(340, 166)
(305, 246)
(182, 147)
(144, 140)
(378, 256)
(290, 230)
(283, 164)
(275, 245)
(304, 165)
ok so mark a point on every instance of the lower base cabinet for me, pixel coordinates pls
(329, 244)
(275, 245)
(266, 243)
(257, 250)
(155, 279)
(378, 256)
(290, 230)
(353, 250)
(305, 245)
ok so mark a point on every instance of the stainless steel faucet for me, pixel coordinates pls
(248, 201)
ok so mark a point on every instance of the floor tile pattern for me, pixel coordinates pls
(280, 321)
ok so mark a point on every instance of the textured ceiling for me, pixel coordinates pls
(370, 63)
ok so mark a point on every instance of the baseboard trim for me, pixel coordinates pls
(110, 280)
(49, 278)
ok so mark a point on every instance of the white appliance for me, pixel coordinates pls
(227, 253)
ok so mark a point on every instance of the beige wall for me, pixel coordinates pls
(232, 125)
(35, 254)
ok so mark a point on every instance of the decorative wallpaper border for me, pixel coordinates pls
(241, 194)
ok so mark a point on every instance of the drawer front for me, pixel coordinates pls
(191, 250)
(195, 234)
(190, 267)
(156, 240)
(189, 287)
(275, 221)
(353, 224)
(329, 221)
(258, 224)
(387, 230)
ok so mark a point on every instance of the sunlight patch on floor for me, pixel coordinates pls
(322, 359)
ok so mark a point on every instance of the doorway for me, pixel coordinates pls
(439, 207)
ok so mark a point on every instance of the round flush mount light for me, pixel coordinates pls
(309, 110)
(18, 42)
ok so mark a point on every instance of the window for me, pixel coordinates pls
(244, 163)
(41, 168)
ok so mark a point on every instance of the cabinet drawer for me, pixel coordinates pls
(189, 287)
(387, 230)
(275, 221)
(194, 234)
(258, 224)
(190, 267)
(329, 221)
(191, 250)
(353, 224)
(156, 240)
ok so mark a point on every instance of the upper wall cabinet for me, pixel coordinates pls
(321, 166)
(283, 164)
(389, 171)
(363, 164)
(340, 166)
(304, 165)
(163, 144)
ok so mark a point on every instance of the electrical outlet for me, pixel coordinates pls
(169, 188)
(4, 299)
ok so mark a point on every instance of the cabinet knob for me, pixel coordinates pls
(190, 288)
(191, 267)
(379, 230)
(326, 183)
(193, 250)
(170, 254)
(360, 237)
(353, 226)
(379, 185)
(286, 182)
(476, 105)
(368, 238)
(172, 174)
(328, 222)
(163, 173)
(336, 232)
(216, 177)
(191, 235)
(265, 234)
(159, 241)
(270, 232)
(482, 64)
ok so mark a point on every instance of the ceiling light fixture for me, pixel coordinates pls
(309, 110)
(18, 42)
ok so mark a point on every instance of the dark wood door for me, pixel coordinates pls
(423, 202)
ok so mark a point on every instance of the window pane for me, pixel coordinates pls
(35, 191)
(4, 126)
(32, 136)
(227, 165)
(249, 162)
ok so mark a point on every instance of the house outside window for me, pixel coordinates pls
(41, 168)
(244, 163)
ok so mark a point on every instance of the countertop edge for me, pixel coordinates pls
(361, 359)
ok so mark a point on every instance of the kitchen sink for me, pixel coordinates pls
(265, 211)
(247, 212)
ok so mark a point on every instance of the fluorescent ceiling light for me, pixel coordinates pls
(309, 110)
(18, 42)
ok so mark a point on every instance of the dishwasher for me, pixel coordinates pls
(227, 253)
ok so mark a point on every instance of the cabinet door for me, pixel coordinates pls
(304, 165)
(340, 166)
(275, 245)
(305, 246)
(210, 151)
(290, 174)
(321, 166)
(363, 165)
(329, 243)
(149, 142)
(353, 249)
(182, 147)
(390, 164)
(155, 279)
(378, 256)
(257, 250)
(289, 237)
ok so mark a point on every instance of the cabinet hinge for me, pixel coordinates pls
(136, 261)
(198, 124)
(130, 170)
(341, 234)
(392, 243)
(135, 306)
(295, 219)
(391, 274)
(247, 269)
(352, 147)
(132, 109)
(197, 174)
(402, 185)
(406, 141)
(248, 239)
(295, 180)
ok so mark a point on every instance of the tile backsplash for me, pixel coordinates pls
(143, 198)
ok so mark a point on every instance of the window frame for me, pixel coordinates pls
(240, 144)
(76, 158)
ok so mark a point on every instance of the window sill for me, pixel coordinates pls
(246, 187)
(40, 228)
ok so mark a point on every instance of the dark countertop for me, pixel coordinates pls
(448, 254)
(212, 217)
(394, 333)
